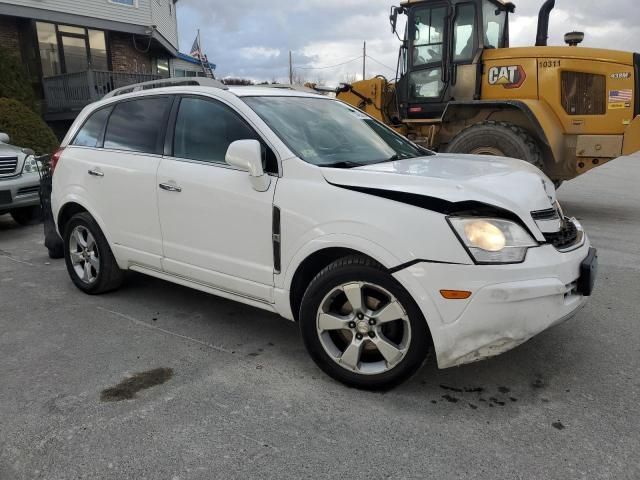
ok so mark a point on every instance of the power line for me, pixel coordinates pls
(379, 62)
(331, 66)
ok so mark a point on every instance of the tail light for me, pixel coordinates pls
(55, 158)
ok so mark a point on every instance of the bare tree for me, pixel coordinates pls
(238, 81)
(349, 78)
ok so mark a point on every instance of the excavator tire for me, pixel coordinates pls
(500, 139)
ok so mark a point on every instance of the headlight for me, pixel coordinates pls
(31, 165)
(493, 240)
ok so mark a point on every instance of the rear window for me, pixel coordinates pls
(138, 125)
(91, 132)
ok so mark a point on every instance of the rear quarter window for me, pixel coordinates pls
(138, 125)
(90, 135)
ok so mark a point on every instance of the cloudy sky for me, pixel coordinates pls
(252, 38)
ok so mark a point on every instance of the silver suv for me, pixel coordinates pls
(19, 182)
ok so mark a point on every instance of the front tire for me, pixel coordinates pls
(361, 327)
(27, 215)
(90, 262)
(500, 139)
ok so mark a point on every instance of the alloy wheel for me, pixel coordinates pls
(85, 257)
(363, 328)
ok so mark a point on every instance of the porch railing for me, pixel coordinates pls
(73, 91)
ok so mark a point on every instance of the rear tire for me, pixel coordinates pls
(90, 262)
(500, 139)
(373, 346)
(56, 252)
(27, 215)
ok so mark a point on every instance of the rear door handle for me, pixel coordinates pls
(170, 188)
(96, 172)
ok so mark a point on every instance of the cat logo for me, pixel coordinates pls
(509, 77)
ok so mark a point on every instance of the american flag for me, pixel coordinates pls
(620, 96)
(196, 51)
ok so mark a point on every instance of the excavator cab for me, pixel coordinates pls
(440, 58)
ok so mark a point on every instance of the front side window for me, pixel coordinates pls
(91, 132)
(464, 33)
(329, 133)
(428, 35)
(494, 23)
(137, 125)
(205, 129)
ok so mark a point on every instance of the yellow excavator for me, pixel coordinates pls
(460, 88)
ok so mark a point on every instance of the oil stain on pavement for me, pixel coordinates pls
(457, 394)
(127, 389)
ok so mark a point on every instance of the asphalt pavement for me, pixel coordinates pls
(235, 395)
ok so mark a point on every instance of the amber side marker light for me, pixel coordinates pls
(455, 294)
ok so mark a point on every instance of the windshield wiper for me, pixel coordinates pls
(341, 164)
(396, 157)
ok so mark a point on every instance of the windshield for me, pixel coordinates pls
(494, 23)
(327, 133)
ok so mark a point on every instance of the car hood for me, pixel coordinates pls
(6, 150)
(508, 184)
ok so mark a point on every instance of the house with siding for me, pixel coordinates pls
(78, 51)
(187, 66)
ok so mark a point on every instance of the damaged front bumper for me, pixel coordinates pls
(509, 303)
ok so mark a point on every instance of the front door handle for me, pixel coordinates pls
(96, 172)
(170, 188)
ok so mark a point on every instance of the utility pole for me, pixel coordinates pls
(290, 68)
(364, 61)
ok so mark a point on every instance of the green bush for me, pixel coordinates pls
(15, 82)
(25, 127)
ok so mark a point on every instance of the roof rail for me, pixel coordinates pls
(168, 82)
(286, 86)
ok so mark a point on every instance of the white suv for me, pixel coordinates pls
(299, 204)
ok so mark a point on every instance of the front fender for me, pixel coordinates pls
(336, 240)
(382, 255)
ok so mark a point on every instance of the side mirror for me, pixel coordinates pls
(247, 156)
(4, 138)
(393, 18)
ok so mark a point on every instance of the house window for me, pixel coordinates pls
(68, 49)
(49, 51)
(130, 3)
(98, 46)
(161, 67)
(179, 72)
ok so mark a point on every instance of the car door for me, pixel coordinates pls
(217, 230)
(424, 86)
(121, 177)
